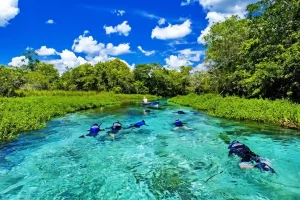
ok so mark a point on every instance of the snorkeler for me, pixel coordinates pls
(180, 112)
(178, 124)
(93, 132)
(138, 124)
(115, 128)
(146, 111)
(248, 157)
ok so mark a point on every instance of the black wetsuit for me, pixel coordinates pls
(247, 155)
(115, 128)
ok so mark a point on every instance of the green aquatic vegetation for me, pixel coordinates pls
(224, 137)
(33, 112)
(168, 182)
(280, 112)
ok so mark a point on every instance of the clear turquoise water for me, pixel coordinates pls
(153, 162)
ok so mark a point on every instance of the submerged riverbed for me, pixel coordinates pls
(152, 162)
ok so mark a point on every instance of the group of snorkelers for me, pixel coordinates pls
(248, 158)
(117, 126)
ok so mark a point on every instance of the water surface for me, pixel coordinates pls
(152, 162)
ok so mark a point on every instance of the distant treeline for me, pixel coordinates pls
(107, 76)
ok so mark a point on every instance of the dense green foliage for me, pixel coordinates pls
(279, 112)
(113, 75)
(31, 113)
(258, 56)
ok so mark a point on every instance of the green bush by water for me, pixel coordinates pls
(32, 112)
(279, 112)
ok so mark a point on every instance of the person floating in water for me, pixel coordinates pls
(93, 132)
(178, 124)
(115, 128)
(145, 100)
(138, 124)
(180, 112)
(146, 111)
(248, 157)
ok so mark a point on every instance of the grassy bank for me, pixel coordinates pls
(279, 112)
(31, 112)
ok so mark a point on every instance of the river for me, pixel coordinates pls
(153, 162)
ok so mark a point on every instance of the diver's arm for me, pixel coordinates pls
(230, 152)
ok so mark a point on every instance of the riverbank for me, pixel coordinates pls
(280, 112)
(31, 112)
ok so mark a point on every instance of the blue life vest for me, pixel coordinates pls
(139, 124)
(94, 131)
(178, 123)
(155, 103)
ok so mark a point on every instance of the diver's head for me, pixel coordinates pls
(232, 143)
(95, 125)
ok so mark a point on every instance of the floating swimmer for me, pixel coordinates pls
(115, 128)
(138, 124)
(248, 157)
(180, 112)
(178, 124)
(93, 132)
(147, 111)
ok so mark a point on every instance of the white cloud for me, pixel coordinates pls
(147, 53)
(104, 58)
(200, 67)
(179, 42)
(8, 10)
(119, 12)
(18, 61)
(191, 55)
(172, 31)
(117, 50)
(94, 52)
(87, 44)
(70, 59)
(122, 29)
(50, 21)
(162, 21)
(131, 67)
(185, 3)
(67, 59)
(219, 10)
(174, 62)
(147, 15)
(44, 51)
(184, 58)
(203, 66)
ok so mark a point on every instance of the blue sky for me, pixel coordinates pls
(69, 33)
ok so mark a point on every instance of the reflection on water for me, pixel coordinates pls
(153, 162)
